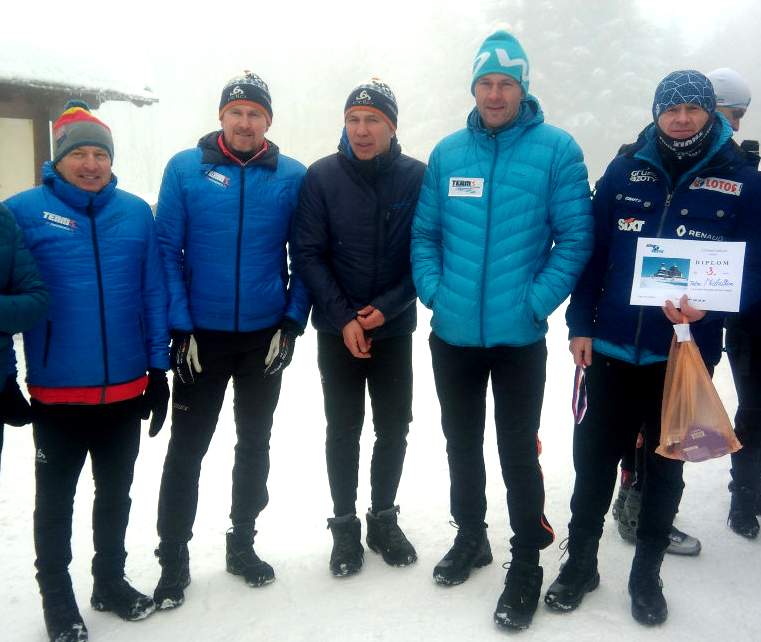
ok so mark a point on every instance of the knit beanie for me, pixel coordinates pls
(374, 95)
(77, 127)
(501, 53)
(682, 87)
(246, 88)
(730, 88)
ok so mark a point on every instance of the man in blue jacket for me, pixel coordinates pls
(502, 232)
(23, 300)
(662, 186)
(223, 221)
(352, 240)
(95, 365)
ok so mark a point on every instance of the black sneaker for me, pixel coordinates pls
(385, 537)
(175, 576)
(578, 576)
(119, 596)
(470, 550)
(347, 555)
(62, 619)
(243, 560)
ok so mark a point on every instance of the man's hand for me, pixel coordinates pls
(156, 400)
(581, 349)
(355, 340)
(370, 317)
(684, 314)
(184, 357)
(14, 408)
(282, 345)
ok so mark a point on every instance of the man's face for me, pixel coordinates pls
(733, 114)
(498, 98)
(88, 168)
(683, 121)
(369, 133)
(243, 127)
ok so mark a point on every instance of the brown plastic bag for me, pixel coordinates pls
(694, 423)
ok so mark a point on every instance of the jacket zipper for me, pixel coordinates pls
(240, 240)
(488, 229)
(101, 306)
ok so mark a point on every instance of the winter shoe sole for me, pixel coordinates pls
(141, 615)
(377, 549)
(443, 580)
(252, 583)
(567, 606)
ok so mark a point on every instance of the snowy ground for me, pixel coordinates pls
(711, 597)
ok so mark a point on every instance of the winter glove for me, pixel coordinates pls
(14, 408)
(282, 344)
(184, 357)
(156, 400)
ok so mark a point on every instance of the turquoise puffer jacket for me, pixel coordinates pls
(502, 230)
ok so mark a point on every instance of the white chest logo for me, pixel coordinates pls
(466, 187)
(717, 185)
(219, 179)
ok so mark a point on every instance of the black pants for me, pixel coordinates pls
(388, 374)
(624, 399)
(744, 351)
(195, 410)
(518, 376)
(63, 436)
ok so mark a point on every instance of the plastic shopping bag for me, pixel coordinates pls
(694, 423)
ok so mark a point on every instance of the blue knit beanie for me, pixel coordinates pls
(501, 53)
(681, 87)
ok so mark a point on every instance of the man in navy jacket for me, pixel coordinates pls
(95, 365)
(352, 243)
(223, 221)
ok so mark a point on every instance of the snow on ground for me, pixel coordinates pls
(711, 597)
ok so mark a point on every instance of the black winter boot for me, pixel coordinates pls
(470, 550)
(117, 595)
(645, 587)
(347, 555)
(517, 604)
(578, 576)
(175, 575)
(742, 512)
(62, 619)
(385, 537)
(243, 560)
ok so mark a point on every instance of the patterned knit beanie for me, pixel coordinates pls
(246, 88)
(374, 95)
(501, 53)
(77, 127)
(682, 87)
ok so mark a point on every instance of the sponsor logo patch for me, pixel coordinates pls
(704, 236)
(681, 230)
(466, 187)
(40, 457)
(643, 176)
(56, 220)
(717, 185)
(219, 179)
(236, 93)
(630, 224)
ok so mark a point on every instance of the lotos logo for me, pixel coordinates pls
(717, 185)
(630, 225)
(643, 176)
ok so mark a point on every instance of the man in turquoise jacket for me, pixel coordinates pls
(502, 231)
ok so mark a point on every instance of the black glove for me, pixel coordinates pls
(156, 400)
(14, 408)
(184, 357)
(282, 345)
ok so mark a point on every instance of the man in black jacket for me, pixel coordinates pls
(352, 248)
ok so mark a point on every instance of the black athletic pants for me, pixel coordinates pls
(744, 351)
(63, 436)
(624, 399)
(195, 410)
(388, 374)
(517, 376)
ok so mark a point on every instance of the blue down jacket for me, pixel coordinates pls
(491, 207)
(223, 229)
(352, 239)
(716, 200)
(99, 258)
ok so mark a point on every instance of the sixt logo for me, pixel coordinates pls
(643, 176)
(630, 224)
(655, 249)
(717, 185)
(60, 221)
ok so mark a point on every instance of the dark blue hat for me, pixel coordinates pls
(680, 87)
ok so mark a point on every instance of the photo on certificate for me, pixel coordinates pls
(708, 272)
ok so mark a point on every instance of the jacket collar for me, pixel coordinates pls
(529, 114)
(211, 154)
(72, 195)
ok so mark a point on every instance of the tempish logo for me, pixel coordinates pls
(463, 186)
(60, 221)
(630, 224)
(643, 176)
(717, 185)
